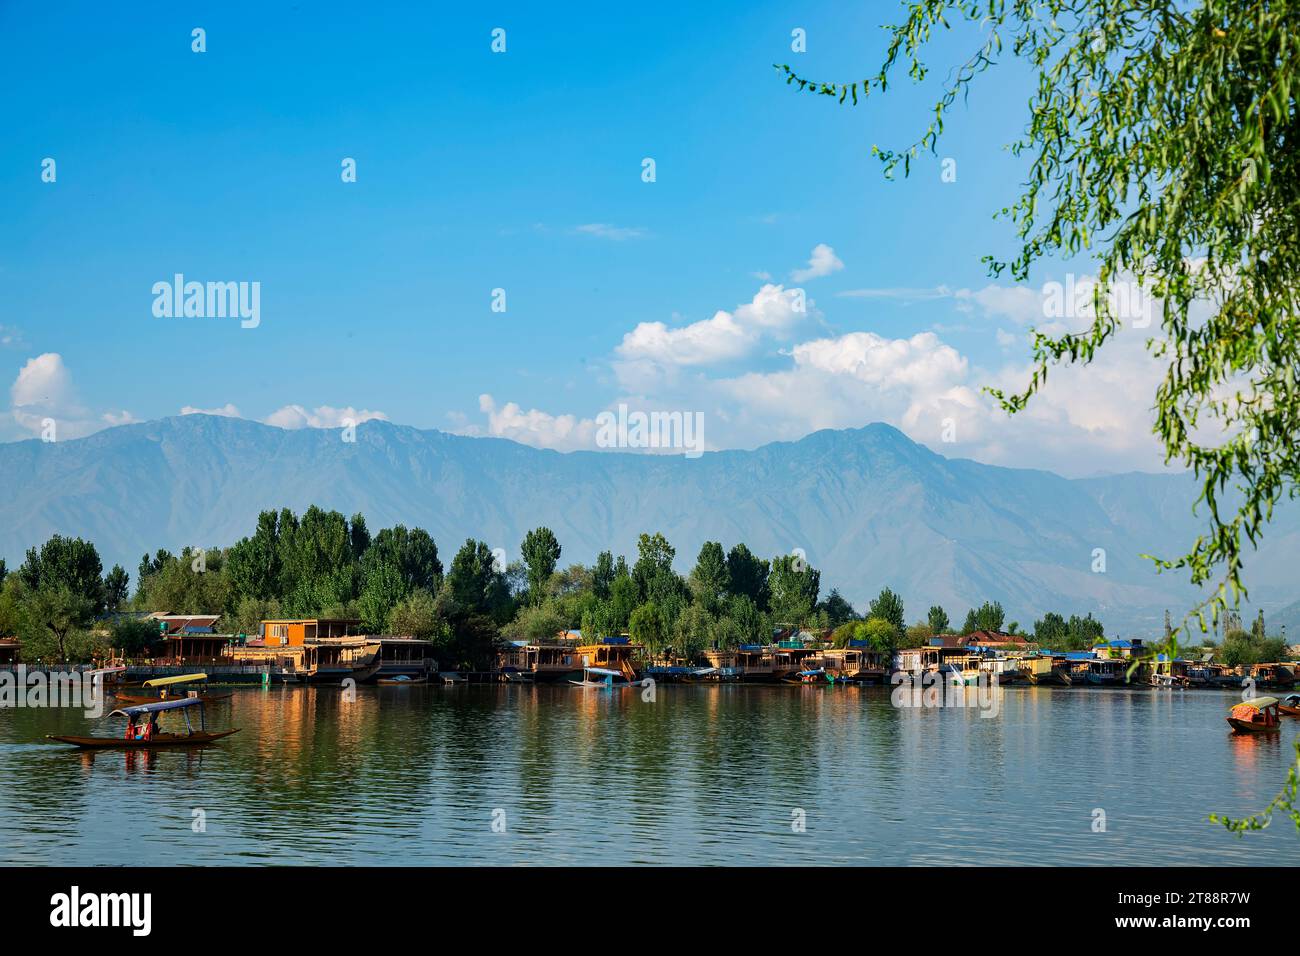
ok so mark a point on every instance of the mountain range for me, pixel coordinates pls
(868, 507)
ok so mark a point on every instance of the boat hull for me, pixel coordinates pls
(1252, 727)
(159, 741)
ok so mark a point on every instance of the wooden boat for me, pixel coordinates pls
(170, 688)
(817, 676)
(607, 681)
(1259, 715)
(1290, 705)
(142, 731)
(401, 680)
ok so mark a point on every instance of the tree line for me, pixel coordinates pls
(323, 564)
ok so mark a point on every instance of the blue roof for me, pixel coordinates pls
(751, 647)
(1113, 644)
(160, 705)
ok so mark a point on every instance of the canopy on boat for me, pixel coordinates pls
(604, 670)
(1292, 699)
(157, 706)
(179, 679)
(1259, 703)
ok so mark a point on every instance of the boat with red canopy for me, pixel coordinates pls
(1255, 716)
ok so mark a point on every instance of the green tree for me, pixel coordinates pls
(536, 624)
(66, 564)
(837, 609)
(987, 617)
(889, 606)
(253, 568)
(541, 553)
(881, 635)
(53, 615)
(416, 615)
(647, 628)
(1160, 139)
(937, 618)
(694, 631)
(476, 585)
(751, 625)
(117, 588)
(602, 575)
(748, 575)
(710, 581)
(135, 637)
(918, 635)
(793, 585)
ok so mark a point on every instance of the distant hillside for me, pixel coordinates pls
(868, 506)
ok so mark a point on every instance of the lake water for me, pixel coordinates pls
(702, 775)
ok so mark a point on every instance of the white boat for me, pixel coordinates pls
(607, 678)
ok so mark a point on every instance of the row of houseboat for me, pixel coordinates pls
(950, 659)
(319, 650)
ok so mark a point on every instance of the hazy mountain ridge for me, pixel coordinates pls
(868, 506)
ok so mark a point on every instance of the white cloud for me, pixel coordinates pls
(10, 337)
(718, 339)
(536, 428)
(603, 230)
(227, 410)
(653, 352)
(44, 390)
(822, 263)
(323, 416)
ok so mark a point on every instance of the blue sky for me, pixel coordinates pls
(520, 171)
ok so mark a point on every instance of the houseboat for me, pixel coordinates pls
(541, 663)
(755, 664)
(311, 650)
(1108, 672)
(1274, 676)
(951, 665)
(857, 664)
(788, 659)
(1040, 670)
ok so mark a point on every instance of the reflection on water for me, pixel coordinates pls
(705, 775)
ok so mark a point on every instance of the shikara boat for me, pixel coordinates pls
(401, 680)
(142, 728)
(815, 676)
(171, 688)
(609, 679)
(1290, 705)
(1259, 715)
